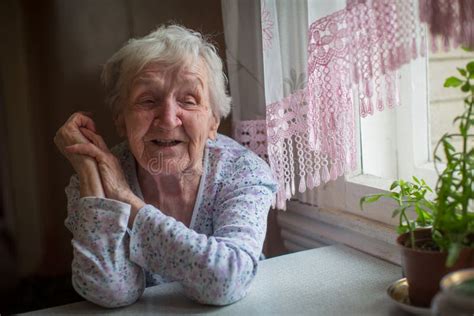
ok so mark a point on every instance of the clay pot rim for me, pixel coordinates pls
(406, 248)
(417, 240)
(422, 230)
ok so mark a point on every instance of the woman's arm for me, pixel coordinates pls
(217, 269)
(101, 269)
(213, 270)
(89, 178)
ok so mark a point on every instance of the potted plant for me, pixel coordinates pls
(439, 238)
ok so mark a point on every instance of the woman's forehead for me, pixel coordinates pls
(188, 71)
(153, 77)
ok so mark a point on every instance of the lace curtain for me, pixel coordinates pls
(451, 22)
(319, 64)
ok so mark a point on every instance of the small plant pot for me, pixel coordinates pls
(424, 269)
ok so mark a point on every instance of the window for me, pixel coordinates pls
(402, 145)
(399, 142)
(395, 143)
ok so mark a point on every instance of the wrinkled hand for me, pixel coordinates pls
(85, 167)
(113, 179)
(70, 134)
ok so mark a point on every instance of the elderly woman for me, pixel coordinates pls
(176, 201)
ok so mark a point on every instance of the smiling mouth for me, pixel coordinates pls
(166, 143)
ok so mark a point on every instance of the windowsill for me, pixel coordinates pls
(370, 181)
(326, 218)
(307, 226)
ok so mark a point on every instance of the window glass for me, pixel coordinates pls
(445, 104)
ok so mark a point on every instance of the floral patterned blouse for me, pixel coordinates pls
(214, 260)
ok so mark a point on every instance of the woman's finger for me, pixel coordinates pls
(94, 138)
(82, 119)
(89, 149)
(112, 178)
(86, 113)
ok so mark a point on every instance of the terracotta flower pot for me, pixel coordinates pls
(424, 269)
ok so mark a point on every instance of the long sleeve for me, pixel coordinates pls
(101, 269)
(215, 269)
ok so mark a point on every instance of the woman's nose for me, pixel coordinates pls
(167, 115)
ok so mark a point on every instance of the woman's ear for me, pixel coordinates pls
(215, 121)
(120, 125)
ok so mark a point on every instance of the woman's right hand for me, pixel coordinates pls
(85, 166)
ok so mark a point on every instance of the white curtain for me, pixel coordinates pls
(267, 39)
(290, 141)
(245, 70)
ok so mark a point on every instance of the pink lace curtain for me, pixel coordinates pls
(355, 51)
(451, 22)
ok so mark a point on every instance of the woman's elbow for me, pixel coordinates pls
(218, 294)
(225, 299)
(226, 286)
(113, 299)
(108, 296)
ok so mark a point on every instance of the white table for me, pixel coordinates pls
(334, 280)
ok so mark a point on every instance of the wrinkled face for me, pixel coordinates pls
(168, 118)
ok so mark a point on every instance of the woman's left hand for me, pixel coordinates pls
(113, 179)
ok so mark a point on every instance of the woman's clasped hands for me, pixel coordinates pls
(99, 171)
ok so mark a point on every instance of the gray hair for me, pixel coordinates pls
(171, 45)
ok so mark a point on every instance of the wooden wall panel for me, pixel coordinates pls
(23, 213)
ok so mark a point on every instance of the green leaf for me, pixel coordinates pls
(369, 199)
(453, 82)
(448, 148)
(462, 71)
(372, 198)
(470, 67)
(416, 180)
(466, 87)
(394, 185)
(453, 253)
(466, 49)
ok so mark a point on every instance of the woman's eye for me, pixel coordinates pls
(189, 101)
(146, 102)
